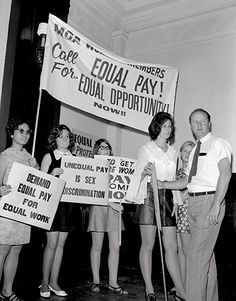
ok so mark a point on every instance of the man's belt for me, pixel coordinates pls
(201, 193)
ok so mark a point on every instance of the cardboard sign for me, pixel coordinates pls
(86, 180)
(121, 172)
(84, 143)
(34, 197)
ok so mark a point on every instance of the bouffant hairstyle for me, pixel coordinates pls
(55, 133)
(156, 124)
(13, 124)
(97, 145)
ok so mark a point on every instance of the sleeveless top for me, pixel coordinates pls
(67, 217)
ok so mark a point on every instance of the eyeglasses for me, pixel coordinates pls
(22, 131)
(102, 147)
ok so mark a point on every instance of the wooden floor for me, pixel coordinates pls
(75, 275)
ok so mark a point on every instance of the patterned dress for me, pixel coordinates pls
(13, 232)
(182, 215)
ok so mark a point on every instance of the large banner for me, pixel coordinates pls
(82, 74)
(86, 180)
(34, 197)
(121, 172)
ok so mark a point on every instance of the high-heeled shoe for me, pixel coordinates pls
(150, 297)
(59, 293)
(44, 294)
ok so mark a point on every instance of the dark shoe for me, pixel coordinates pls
(178, 298)
(12, 297)
(95, 287)
(118, 290)
(150, 297)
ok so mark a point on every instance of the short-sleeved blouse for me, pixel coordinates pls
(165, 163)
(13, 232)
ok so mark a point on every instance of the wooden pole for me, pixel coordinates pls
(159, 228)
(36, 122)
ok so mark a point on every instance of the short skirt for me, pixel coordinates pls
(67, 217)
(104, 219)
(182, 218)
(13, 232)
(145, 213)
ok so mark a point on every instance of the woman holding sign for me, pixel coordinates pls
(60, 142)
(13, 234)
(105, 219)
(161, 152)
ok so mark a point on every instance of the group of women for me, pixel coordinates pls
(159, 152)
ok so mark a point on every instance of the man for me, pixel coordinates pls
(207, 189)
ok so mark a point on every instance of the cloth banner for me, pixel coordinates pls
(84, 75)
(121, 172)
(86, 180)
(34, 197)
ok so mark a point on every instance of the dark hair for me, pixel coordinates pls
(156, 124)
(55, 133)
(199, 110)
(98, 143)
(14, 123)
(190, 143)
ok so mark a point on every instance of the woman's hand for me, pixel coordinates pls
(175, 210)
(33, 163)
(116, 206)
(57, 171)
(147, 171)
(5, 189)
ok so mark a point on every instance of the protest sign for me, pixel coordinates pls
(86, 180)
(34, 197)
(121, 172)
(84, 143)
(82, 74)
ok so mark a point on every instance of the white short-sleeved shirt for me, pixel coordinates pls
(213, 150)
(165, 163)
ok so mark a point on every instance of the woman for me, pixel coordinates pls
(105, 219)
(60, 143)
(161, 152)
(182, 222)
(13, 234)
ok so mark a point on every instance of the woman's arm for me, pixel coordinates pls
(4, 189)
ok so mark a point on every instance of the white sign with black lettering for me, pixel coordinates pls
(121, 172)
(86, 179)
(34, 197)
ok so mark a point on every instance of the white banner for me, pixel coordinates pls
(82, 74)
(34, 197)
(121, 172)
(86, 180)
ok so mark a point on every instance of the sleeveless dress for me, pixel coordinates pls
(13, 232)
(67, 217)
(182, 214)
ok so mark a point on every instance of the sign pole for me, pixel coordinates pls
(159, 228)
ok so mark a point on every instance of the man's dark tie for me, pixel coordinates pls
(193, 169)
